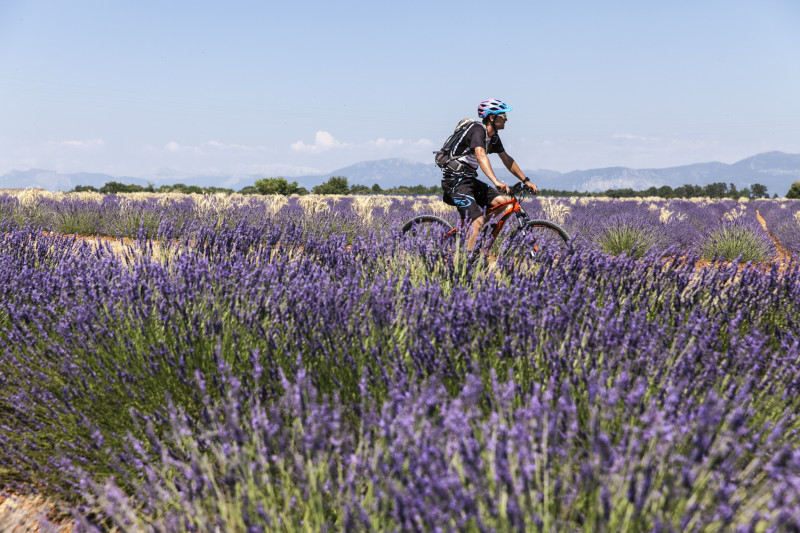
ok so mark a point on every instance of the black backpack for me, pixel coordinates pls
(444, 157)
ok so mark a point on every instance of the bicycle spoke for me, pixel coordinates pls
(538, 238)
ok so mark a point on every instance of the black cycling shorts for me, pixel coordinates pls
(469, 194)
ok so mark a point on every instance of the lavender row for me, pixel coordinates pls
(722, 228)
(130, 215)
(783, 222)
(96, 347)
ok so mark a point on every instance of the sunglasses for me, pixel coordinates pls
(503, 116)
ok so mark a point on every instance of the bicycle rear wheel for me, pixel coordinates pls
(426, 223)
(538, 238)
(430, 233)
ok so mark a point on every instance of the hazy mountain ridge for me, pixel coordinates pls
(775, 170)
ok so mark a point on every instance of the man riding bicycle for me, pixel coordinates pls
(460, 182)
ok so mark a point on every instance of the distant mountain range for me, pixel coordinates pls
(775, 170)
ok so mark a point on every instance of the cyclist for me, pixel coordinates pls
(461, 185)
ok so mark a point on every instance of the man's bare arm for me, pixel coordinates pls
(512, 166)
(486, 167)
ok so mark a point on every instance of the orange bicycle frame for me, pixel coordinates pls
(507, 208)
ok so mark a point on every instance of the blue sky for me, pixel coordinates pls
(290, 88)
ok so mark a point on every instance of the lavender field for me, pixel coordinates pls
(292, 364)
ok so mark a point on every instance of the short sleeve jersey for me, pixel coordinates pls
(474, 137)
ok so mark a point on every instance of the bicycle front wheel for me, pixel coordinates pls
(537, 238)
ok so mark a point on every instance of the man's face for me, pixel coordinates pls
(500, 121)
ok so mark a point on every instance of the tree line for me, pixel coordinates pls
(335, 185)
(339, 185)
(712, 190)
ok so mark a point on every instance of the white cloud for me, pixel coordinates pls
(89, 143)
(323, 141)
(212, 146)
(633, 137)
(232, 146)
(383, 143)
(391, 143)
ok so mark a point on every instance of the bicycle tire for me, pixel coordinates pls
(531, 237)
(427, 220)
(429, 235)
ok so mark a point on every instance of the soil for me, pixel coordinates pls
(784, 254)
(118, 245)
(26, 513)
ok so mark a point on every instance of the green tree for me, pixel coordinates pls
(85, 188)
(688, 191)
(360, 189)
(185, 189)
(335, 185)
(276, 186)
(621, 193)
(665, 191)
(758, 190)
(188, 189)
(249, 190)
(794, 191)
(114, 187)
(716, 190)
(414, 189)
(377, 189)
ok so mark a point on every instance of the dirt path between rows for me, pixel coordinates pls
(784, 255)
(118, 244)
(22, 514)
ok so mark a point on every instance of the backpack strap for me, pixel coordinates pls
(485, 142)
(447, 161)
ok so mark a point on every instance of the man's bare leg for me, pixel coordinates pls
(478, 223)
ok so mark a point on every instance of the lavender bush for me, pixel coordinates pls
(551, 459)
(738, 236)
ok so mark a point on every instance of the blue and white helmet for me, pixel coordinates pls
(492, 106)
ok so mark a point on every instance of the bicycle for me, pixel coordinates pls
(529, 238)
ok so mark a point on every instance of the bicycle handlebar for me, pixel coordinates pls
(519, 190)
